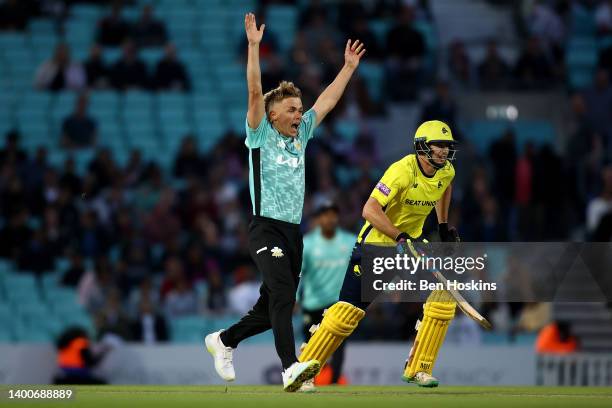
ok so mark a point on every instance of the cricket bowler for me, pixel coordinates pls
(277, 132)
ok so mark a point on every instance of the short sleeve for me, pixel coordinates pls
(395, 179)
(307, 127)
(256, 137)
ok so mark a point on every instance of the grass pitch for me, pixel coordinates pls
(327, 397)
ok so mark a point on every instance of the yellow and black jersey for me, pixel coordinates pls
(407, 196)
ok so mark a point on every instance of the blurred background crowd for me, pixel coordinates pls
(124, 177)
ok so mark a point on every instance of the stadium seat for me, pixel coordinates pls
(111, 55)
(483, 133)
(189, 329)
(373, 75)
(582, 21)
(151, 57)
(13, 40)
(347, 129)
(41, 27)
(86, 12)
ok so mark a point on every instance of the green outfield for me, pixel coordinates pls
(328, 397)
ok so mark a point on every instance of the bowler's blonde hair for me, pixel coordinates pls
(284, 90)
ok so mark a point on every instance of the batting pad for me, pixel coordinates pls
(339, 321)
(438, 312)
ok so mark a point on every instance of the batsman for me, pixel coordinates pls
(394, 214)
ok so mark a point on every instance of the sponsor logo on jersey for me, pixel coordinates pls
(383, 188)
(294, 162)
(439, 184)
(423, 203)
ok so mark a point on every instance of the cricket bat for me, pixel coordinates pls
(463, 304)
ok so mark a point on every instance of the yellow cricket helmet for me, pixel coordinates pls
(434, 132)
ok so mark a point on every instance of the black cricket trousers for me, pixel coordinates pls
(276, 247)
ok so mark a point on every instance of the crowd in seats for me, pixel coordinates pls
(146, 243)
(128, 72)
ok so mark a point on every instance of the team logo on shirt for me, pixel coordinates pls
(298, 145)
(277, 252)
(383, 188)
(439, 184)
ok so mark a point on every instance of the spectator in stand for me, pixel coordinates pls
(544, 23)
(76, 358)
(53, 230)
(493, 70)
(443, 107)
(145, 292)
(273, 73)
(603, 232)
(605, 60)
(93, 238)
(188, 162)
(59, 72)
(37, 256)
(130, 71)
(75, 271)
(533, 69)
(556, 338)
(103, 170)
(503, 156)
(134, 168)
(95, 286)
(112, 320)
(319, 32)
(460, 67)
(170, 73)
(14, 14)
(149, 31)
(245, 291)
(98, 74)
(12, 153)
(113, 30)
(523, 192)
(34, 174)
(69, 178)
(79, 130)
(149, 327)
(162, 223)
(603, 17)
(178, 296)
(602, 204)
(15, 235)
(405, 51)
(598, 99)
(359, 29)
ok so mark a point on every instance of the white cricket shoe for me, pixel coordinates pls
(423, 379)
(222, 356)
(298, 373)
(308, 386)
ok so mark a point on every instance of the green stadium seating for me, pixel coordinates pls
(41, 27)
(347, 129)
(582, 21)
(86, 12)
(483, 133)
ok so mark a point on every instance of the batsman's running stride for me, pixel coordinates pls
(395, 213)
(277, 132)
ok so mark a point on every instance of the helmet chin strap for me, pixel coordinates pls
(435, 165)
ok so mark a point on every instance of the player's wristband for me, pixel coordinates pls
(402, 236)
(447, 234)
(443, 228)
